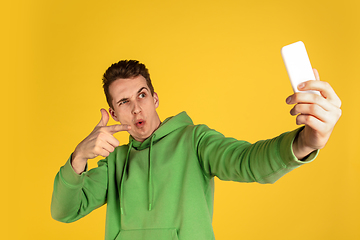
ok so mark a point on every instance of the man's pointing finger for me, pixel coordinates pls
(118, 128)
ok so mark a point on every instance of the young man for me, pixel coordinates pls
(161, 184)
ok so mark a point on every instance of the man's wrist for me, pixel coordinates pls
(300, 149)
(78, 163)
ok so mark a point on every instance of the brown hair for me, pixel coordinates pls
(125, 69)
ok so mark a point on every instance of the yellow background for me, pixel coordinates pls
(218, 60)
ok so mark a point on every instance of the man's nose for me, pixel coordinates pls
(136, 108)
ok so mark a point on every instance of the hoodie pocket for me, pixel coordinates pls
(148, 234)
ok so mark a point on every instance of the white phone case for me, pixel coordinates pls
(297, 64)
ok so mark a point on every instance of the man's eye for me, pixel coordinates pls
(123, 102)
(142, 95)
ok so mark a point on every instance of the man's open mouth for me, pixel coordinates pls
(140, 123)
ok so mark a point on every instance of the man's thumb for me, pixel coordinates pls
(104, 118)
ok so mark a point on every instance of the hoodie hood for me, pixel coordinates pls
(166, 127)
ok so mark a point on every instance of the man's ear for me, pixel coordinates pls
(113, 115)
(156, 100)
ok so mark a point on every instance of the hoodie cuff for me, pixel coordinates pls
(287, 154)
(69, 176)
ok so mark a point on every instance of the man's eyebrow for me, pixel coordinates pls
(142, 89)
(123, 99)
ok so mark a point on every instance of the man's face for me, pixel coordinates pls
(133, 105)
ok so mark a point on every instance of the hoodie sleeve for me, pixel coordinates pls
(74, 195)
(230, 159)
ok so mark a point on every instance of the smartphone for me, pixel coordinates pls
(297, 64)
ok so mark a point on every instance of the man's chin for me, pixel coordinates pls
(140, 138)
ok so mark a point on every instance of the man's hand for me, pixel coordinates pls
(100, 142)
(318, 113)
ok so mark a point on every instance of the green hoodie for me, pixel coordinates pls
(163, 188)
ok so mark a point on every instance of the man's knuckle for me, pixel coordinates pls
(327, 85)
(96, 150)
(314, 109)
(315, 98)
(309, 119)
(111, 149)
(339, 102)
(339, 113)
(102, 135)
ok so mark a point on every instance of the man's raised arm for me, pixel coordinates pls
(72, 197)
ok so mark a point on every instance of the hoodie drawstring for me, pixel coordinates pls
(150, 191)
(122, 179)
